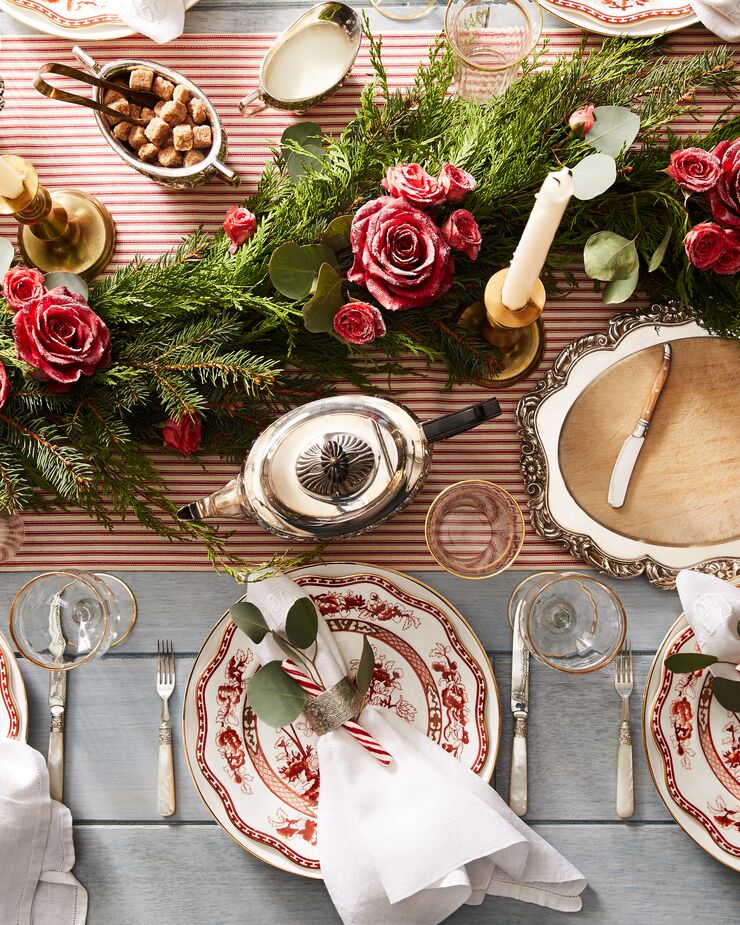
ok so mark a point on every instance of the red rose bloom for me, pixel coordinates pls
(182, 435)
(694, 169)
(456, 183)
(582, 120)
(4, 385)
(61, 337)
(359, 323)
(729, 261)
(462, 233)
(413, 183)
(704, 244)
(400, 256)
(724, 198)
(240, 224)
(22, 285)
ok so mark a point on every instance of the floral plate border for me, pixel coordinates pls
(13, 702)
(653, 19)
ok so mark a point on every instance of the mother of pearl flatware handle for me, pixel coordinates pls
(625, 789)
(518, 781)
(166, 773)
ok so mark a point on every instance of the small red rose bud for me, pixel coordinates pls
(582, 120)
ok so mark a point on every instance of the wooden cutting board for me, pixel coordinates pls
(685, 488)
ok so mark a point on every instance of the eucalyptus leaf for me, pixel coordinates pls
(299, 134)
(293, 268)
(660, 251)
(71, 281)
(337, 231)
(274, 696)
(319, 311)
(688, 662)
(615, 128)
(727, 693)
(302, 147)
(302, 623)
(248, 617)
(609, 256)
(619, 290)
(364, 676)
(7, 252)
(321, 253)
(593, 176)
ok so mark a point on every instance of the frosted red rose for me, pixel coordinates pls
(724, 198)
(359, 323)
(413, 183)
(400, 256)
(22, 285)
(695, 169)
(710, 247)
(240, 224)
(61, 337)
(183, 435)
(4, 385)
(462, 233)
(456, 183)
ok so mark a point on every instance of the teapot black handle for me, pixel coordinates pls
(449, 425)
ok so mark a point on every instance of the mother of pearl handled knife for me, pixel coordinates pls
(520, 709)
(625, 464)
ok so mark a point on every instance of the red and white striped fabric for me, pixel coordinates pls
(353, 728)
(63, 142)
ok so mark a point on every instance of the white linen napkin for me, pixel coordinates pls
(36, 850)
(712, 609)
(720, 16)
(160, 20)
(409, 843)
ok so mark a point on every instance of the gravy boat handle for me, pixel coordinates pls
(249, 100)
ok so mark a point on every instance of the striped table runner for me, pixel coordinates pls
(64, 144)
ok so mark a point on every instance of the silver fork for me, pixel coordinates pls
(165, 686)
(623, 683)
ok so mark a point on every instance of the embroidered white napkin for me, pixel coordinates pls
(409, 843)
(36, 850)
(160, 20)
(712, 609)
(720, 16)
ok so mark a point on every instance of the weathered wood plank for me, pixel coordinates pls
(186, 875)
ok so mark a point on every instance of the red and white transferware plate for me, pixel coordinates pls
(693, 751)
(634, 18)
(91, 20)
(13, 704)
(262, 784)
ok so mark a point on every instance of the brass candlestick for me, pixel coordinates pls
(519, 335)
(65, 230)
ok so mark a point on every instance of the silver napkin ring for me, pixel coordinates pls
(333, 707)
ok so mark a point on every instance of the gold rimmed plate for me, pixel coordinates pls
(13, 701)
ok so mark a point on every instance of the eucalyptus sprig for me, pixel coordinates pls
(726, 691)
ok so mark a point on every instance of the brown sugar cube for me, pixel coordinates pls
(148, 152)
(182, 136)
(122, 106)
(170, 157)
(112, 96)
(158, 132)
(141, 78)
(198, 111)
(173, 113)
(137, 138)
(147, 114)
(182, 95)
(134, 110)
(158, 107)
(193, 157)
(202, 137)
(122, 130)
(163, 88)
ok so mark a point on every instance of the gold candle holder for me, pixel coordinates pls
(64, 230)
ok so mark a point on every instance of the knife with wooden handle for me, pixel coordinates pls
(55, 760)
(520, 710)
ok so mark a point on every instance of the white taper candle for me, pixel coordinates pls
(11, 182)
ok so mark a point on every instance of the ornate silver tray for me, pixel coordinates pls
(682, 506)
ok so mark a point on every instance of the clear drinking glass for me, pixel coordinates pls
(570, 621)
(490, 40)
(403, 10)
(60, 620)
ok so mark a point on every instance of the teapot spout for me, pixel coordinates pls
(225, 502)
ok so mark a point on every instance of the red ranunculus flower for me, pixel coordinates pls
(22, 285)
(704, 244)
(462, 233)
(724, 198)
(413, 183)
(183, 435)
(4, 385)
(359, 323)
(240, 224)
(582, 120)
(400, 256)
(61, 337)
(694, 169)
(456, 183)
(729, 261)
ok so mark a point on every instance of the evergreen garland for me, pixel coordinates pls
(203, 331)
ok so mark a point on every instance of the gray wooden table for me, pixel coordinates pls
(140, 869)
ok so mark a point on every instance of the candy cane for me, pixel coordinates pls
(353, 728)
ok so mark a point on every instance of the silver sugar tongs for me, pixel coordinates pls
(138, 97)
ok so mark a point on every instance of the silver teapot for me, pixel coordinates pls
(335, 467)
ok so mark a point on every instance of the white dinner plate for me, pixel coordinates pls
(631, 18)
